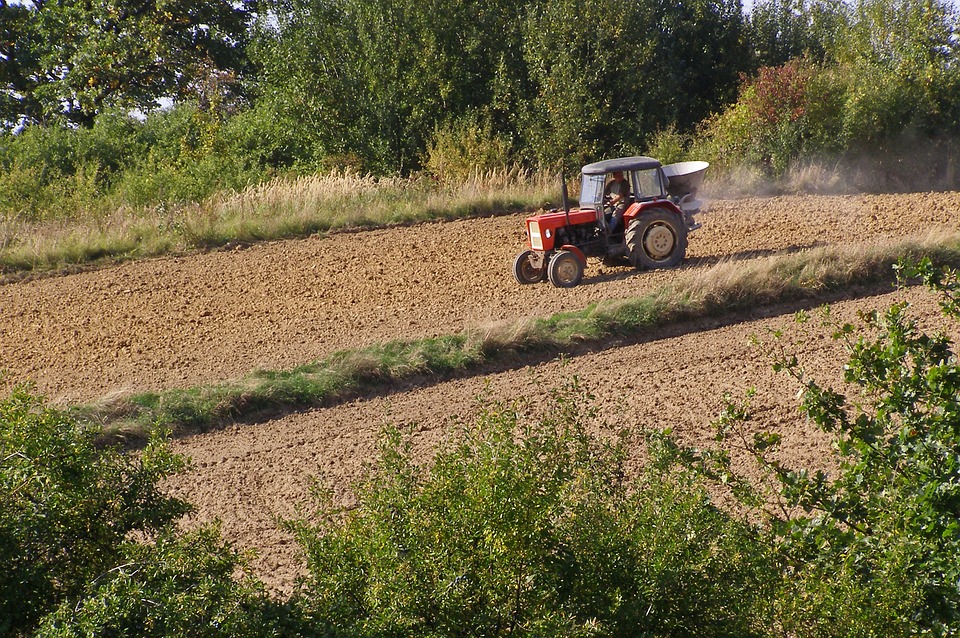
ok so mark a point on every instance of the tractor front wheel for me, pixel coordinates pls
(656, 239)
(565, 269)
(526, 269)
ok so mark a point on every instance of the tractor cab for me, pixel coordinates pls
(645, 179)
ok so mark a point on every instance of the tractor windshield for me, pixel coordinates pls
(648, 183)
(591, 192)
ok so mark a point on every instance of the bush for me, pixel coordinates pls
(852, 88)
(527, 529)
(464, 149)
(669, 145)
(67, 506)
(879, 104)
(178, 586)
(783, 114)
(873, 548)
(181, 155)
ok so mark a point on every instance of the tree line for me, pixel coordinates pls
(393, 87)
(373, 79)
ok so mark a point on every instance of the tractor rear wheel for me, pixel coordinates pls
(656, 239)
(525, 271)
(565, 269)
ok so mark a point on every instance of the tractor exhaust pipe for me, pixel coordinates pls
(565, 197)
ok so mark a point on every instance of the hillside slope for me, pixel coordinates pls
(181, 321)
(202, 318)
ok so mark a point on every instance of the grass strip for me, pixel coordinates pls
(728, 287)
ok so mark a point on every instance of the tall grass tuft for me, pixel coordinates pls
(283, 208)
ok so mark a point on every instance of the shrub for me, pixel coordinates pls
(178, 586)
(784, 113)
(879, 103)
(67, 505)
(668, 145)
(182, 155)
(465, 148)
(873, 547)
(801, 110)
(266, 136)
(529, 529)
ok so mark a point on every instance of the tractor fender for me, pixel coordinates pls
(576, 251)
(637, 208)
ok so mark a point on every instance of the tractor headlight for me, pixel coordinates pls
(536, 241)
(548, 234)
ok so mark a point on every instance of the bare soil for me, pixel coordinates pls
(181, 321)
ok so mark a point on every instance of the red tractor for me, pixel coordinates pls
(630, 207)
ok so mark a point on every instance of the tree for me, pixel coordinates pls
(907, 36)
(370, 80)
(71, 59)
(782, 30)
(608, 74)
(906, 51)
(703, 49)
(567, 80)
(18, 62)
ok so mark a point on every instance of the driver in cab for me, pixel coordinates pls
(617, 195)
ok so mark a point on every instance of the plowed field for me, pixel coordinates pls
(181, 321)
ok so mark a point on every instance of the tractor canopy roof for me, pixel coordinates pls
(624, 164)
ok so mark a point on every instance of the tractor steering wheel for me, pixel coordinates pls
(608, 205)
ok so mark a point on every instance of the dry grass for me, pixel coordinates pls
(733, 283)
(280, 209)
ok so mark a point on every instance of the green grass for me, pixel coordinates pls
(728, 287)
